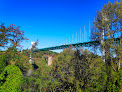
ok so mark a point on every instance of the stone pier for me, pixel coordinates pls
(48, 58)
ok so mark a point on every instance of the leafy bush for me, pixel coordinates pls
(11, 79)
(4, 58)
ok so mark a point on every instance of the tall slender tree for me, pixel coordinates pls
(108, 26)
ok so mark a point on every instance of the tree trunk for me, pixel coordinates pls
(119, 65)
(102, 46)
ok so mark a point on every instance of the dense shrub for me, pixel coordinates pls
(4, 58)
(10, 79)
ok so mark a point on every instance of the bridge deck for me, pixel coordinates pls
(85, 44)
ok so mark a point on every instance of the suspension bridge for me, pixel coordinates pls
(81, 38)
(84, 44)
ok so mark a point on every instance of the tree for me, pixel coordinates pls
(108, 26)
(39, 80)
(63, 72)
(79, 71)
(12, 35)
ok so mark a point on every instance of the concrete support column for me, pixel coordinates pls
(49, 62)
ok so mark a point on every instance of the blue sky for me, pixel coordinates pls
(49, 21)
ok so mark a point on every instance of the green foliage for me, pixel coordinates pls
(108, 22)
(41, 53)
(4, 58)
(113, 80)
(107, 25)
(63, 71)
(49, 52)
(71, 71)
(79, 71)
(42, 76)
(17, 58)
(39, 80)
(22, 62)
(11, 79)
